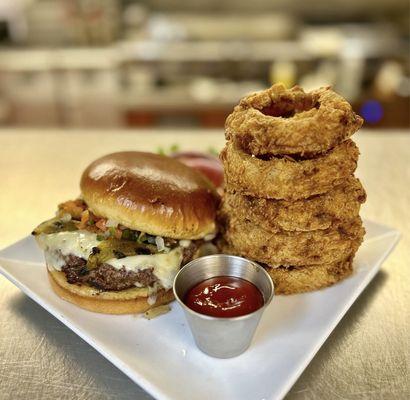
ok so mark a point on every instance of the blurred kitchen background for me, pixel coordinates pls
(162, 63)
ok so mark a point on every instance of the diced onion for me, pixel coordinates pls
(110, 223)
(209, 237)
(184, 243)
(66, 217)
(159, 241)
(152, 298)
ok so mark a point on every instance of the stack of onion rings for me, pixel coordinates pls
(291, 201)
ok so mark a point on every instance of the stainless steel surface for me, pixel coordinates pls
(222, 337)
(366, 357)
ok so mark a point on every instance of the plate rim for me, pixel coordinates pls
(95, 344)
(154, 390)
(396, 236)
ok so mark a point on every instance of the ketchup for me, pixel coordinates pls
(224, 297)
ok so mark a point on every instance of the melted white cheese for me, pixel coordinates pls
(165, 265)
(80, 243)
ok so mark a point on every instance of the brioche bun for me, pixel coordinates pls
(151, 193)
(129, 301)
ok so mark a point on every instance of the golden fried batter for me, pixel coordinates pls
(305, 279)
(291, 279)
(292, 248)
(322, 211)
(286, 178)
(290, 121)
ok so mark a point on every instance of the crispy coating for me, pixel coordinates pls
(292, 248)
(285, 177)
(341, 204)
(293, 280)
(289, 121)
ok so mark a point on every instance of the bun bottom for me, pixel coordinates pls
(305, 279)
(130, 301)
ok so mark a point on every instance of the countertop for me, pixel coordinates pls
(367, 356)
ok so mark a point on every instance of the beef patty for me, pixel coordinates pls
(106, 277)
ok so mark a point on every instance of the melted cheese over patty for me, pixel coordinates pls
(80, 244)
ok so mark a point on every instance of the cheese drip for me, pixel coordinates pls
(80, 244)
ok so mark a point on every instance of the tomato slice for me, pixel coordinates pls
(208, 165)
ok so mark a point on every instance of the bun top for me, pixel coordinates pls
(151, 193)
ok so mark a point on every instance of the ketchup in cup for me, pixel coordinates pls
(224, 297)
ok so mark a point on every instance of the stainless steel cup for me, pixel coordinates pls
(222, 337)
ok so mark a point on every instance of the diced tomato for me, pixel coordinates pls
(73, 207)
(85, 216)
(100, 224)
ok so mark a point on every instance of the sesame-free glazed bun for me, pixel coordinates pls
(129, 301)
(151, 193)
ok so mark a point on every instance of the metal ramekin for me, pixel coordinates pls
(222, 337)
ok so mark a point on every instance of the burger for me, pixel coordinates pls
(118, 247)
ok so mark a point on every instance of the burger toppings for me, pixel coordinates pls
(55, 225)
(156, 311)
(73, 207)
(60, 245)
(110, 264)
(75, 215)
(184, 243)
(101, 253)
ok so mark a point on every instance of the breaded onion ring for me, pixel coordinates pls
(322, 211)
(286, 178)
(292, 248)
(290, 121)
(290, 280)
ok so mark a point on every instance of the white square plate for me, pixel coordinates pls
(160, 355)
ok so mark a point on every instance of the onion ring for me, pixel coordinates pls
(292, 248)
(286, 178)
(291, 280)
(291, 121)
(341, 204)
(305, 279)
